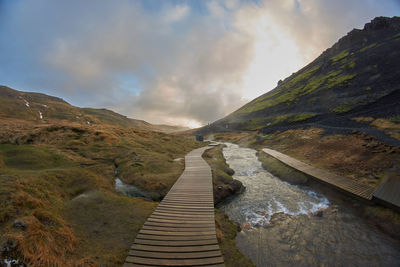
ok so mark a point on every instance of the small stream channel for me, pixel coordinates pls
(286, 225)
(127, 189)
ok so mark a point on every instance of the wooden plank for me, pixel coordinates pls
(175, 255)
(186, 205)
(180, 218)
(175, 262)
(184, 210)
(175, 237)
(174, 234)
(175, 249)
(183, 215)
(184, 200)
(389, 191)
(180, 206)
(177, 221)
(192, 198)
(129, 264)
(187, 208)
(178, 229)
(176, 243)
(181, 225)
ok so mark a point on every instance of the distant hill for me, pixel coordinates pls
(171, 128)
(358, 77)
(43, 108)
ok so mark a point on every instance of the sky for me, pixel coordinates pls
(177, 62)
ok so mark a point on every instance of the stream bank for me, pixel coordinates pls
(385, 219)
(285, 224)
(225, 187)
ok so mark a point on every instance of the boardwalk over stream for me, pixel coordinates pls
(181, 231)
(346, 184)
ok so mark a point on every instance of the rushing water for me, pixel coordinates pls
(291, 225)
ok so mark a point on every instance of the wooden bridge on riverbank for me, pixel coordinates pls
(386, 194)
(343, 183)
(181, 231)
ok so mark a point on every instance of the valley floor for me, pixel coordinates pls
(58, 204)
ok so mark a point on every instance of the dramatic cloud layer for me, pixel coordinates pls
(177, 62)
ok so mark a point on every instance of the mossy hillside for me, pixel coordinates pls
(59, 179)
(339, 76)
(367, 47)
(279, 95)
(340, 56)
(304, 83)
(259, 123)
(343, 108)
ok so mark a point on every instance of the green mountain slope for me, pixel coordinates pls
(357, 76)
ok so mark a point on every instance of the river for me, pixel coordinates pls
(288, 225)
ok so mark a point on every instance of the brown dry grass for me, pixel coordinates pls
(41, 246)
(363, 119)
(391, 128)
(46, 170)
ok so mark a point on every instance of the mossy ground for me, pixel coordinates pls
(226, 234)
(59, 179)
(259, 123)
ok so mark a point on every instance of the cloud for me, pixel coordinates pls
(176, 13)
(179, 62)
(188, 69)
(316, 24)
(288, 34)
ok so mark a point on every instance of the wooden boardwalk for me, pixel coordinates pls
(389, 191)
(181, 231)
(346, 184)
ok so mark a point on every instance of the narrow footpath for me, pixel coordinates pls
(181, 231)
